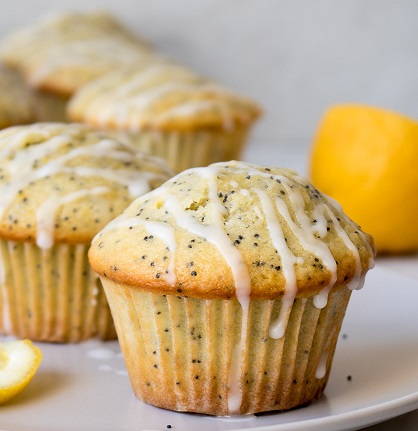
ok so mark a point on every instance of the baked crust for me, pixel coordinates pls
(133, 251)
(68, 181)
(65, 68)
(161, 96)
(16, 101)
(58, 29)
(62, 53)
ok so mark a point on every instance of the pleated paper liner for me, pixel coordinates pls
(184, 150)
(51, 295)
(178, 351)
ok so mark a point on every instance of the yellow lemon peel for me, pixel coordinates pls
(19, 361)
(367, 159)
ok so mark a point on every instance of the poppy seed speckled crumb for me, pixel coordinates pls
(249, 328)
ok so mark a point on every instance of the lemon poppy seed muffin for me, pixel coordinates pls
(59, 185)
(60, 28)
(59, 54)
(64, 68)
(228, 286)
(170, 111)
(16, 101)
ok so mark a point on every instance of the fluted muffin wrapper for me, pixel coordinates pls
(180, 352)
(187, 149)
(51, 294)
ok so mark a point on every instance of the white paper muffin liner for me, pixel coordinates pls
(51, 295)
(184, 150)
(178, 351)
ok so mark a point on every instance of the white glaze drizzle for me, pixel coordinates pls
(123, 87)
(142, 79)
(91, 53)
(23, 168)
(12, 144)
(335, 204)
(321, 368)
(216, 234)
(143, 102)
(278, 326)
(165, 233)
(305, 233)
(357, 281)
(128, 103)
(46, 212)
(161, 230)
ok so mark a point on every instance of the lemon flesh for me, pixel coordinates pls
(19, 361)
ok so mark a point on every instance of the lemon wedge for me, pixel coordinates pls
(19, 361)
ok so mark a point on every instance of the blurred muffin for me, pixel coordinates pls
(62, 69)
(59, 185)
(58, 55)
(60, 28)
(228, 286)
(169, 111)
(16, 102)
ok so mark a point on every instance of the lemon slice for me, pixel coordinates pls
(19, 361)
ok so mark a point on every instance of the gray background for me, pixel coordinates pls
(294, 57)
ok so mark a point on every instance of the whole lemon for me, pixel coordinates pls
(367, 159)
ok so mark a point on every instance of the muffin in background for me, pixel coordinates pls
(16, 101)
(61, 28)
(169, 111)
(59, 185)
(228, 286)
(58, 55)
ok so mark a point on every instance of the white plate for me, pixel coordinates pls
(85, 387)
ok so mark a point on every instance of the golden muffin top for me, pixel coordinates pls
(64, 182)
(63, 52)
(55, 30)
(162, 96)
(65, 68)
(234, 230)
(16, 102)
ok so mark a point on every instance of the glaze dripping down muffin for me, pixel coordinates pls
(59, 185)
(168, 110)
(228, 285)
(60, 53)
(53, 29)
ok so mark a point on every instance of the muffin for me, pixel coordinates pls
(59, 185)
(58, 55)
(169, 111)
(61, 28)
(228, 286)
(16, 102)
